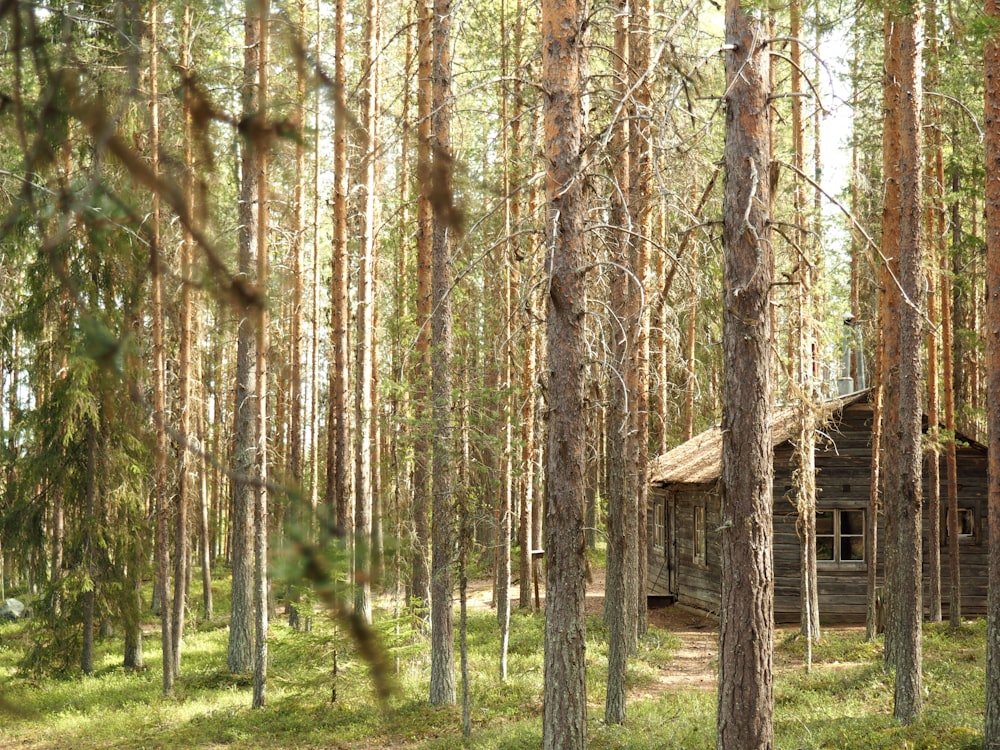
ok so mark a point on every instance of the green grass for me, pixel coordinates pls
(844, 702)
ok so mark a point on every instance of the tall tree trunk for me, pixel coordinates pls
(620, 580)
(420, 579)
(364, 393)
(564, 72)
(205, 506)
(746, 638)
(314, 432)
(399, 464)
(933, 457)
(507, 261)
(525, 536)
(182, 537)
(640, 208)
(261, 517)
(442, 686)
(992, 336)
(875, 487)
(902, 450)
(338, 477)
(295, 513)
(805, 449)
(935, 188)
(949, 386)
(160, 504)
(295, 449)
(245, 443)
(950, 455)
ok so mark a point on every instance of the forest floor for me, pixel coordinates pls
(844, 701)
(695, 663)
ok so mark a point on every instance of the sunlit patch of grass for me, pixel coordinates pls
(846, 702)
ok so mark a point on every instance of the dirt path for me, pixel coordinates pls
(695, 663)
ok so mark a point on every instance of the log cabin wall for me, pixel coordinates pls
(843, 479)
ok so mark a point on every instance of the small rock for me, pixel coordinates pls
(12, 609)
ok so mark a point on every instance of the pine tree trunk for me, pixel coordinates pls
(338, 482)
(507, 260)
(525, 537)
(746, 639)
(640, 208)
(420, 579)
(992, 336)
(314, 431)
(261, 515)
(620, 578)
(901, 438)
(933, 458)
(207, 604)
(364, 392)
(241, 623)
(160, 504)
(182, 539)
(950, 455)
(295, 512)
(442, 685)
(132, 613)
(564, 71)
(295, 433)
(935, 124)
(805, 449)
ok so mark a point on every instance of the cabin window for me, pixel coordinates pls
(966, 524)
(840, 535)
(659, 535)
(700, 537)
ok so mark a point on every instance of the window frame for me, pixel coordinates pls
(970, 509)
(838, 538)
(659, 525)
(699, 527)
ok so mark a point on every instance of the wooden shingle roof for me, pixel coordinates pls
(699, 460)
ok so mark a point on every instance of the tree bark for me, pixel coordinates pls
(564, 75)
(241, 624)
(420, 578)
(507, 260)
(931, 212)
(442, 686)
(805, 449)
(622, 487)
(525, 537)
(640, 181)
(902, 450)
(992, 336)
(746, 677)
(338, 483)
(950, 454)
(182, 537)
(364, 392)
(295, 431)
(261, 515)
(160, 505)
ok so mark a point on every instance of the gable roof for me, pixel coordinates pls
(699, 460)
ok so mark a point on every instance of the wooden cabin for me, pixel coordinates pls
(684, 515)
